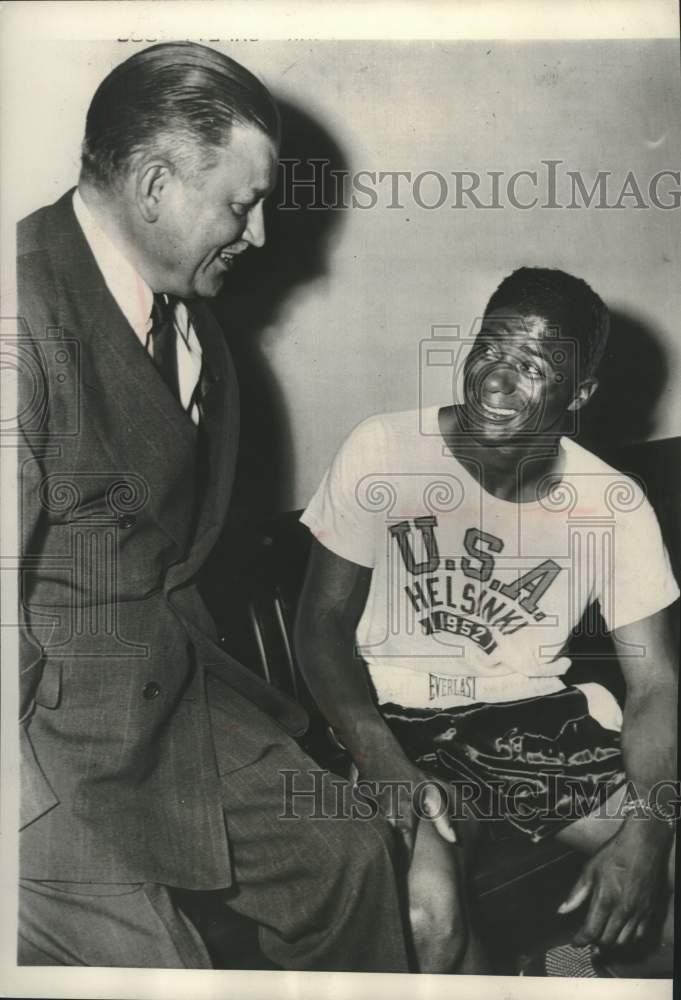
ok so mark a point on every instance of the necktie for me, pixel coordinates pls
(164, 340)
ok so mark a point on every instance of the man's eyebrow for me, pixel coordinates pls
(535, 347)
(498, 328)
(250, 197)
(543, 355)
(255, 194)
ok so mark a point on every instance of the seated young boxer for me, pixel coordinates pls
(456, 549)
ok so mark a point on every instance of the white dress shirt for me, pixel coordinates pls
(135, 299)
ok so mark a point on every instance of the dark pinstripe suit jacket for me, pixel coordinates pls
(119, 778)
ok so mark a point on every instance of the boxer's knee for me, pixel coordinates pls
(440, 934)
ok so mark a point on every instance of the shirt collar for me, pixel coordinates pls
(131, 292)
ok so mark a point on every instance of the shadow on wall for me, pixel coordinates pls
(250, 309)
(295, 254)
(632, 379)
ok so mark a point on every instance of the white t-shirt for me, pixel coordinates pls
(472, 598)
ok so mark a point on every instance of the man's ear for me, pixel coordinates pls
(584, 393)
(151, 182)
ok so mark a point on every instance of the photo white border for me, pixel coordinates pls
(222, 20)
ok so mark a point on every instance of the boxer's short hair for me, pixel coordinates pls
(567, 303)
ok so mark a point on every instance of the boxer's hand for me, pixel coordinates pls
(621, 883)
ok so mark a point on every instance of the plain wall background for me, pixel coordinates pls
(326, 321)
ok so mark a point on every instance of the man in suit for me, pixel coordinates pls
(150, 758)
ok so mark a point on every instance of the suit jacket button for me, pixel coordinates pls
(126, 520)
(151, 690)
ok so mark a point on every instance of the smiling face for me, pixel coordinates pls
(202, 223)
(519, 379)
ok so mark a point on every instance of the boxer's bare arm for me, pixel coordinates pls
(622, 882)
(331, 605)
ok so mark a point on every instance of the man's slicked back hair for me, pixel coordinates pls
(569, 304)
(179, 99)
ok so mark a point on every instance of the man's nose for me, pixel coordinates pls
(501, 378)
(254, 233)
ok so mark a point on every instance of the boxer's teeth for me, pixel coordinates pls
(499, 411)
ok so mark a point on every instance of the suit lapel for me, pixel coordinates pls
(139, 421)
(219, 406)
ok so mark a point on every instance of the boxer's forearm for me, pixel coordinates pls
(649, 728)
(338, 681)
(649, 753)
(331, 604)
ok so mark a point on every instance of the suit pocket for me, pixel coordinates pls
(48, 692)
(242, 733)
(37, 795)
(237, 753)
(237, 744)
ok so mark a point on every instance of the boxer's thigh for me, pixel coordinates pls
(436, 873)
(541, 763)
(124, 926)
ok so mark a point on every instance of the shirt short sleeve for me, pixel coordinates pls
(641, 581)
(338, 514)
